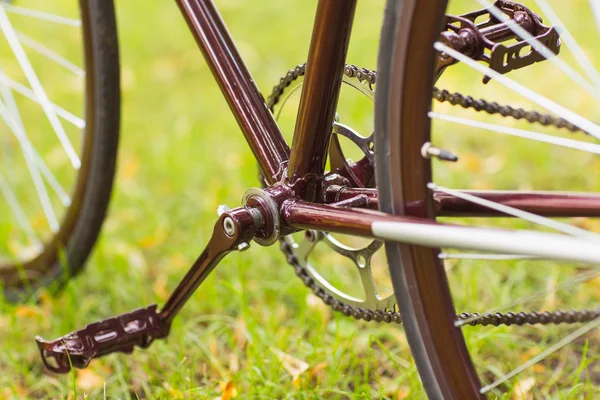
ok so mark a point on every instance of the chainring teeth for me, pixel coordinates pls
(362, 80)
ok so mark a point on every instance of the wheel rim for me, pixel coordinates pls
(36, 268)
(420, 284)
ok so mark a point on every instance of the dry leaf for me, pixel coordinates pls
(240, 334)
(234, 362)
(403, 393)
(315, 374)
(523, 389)
(228, 391)
(130, 168)
(155, 239)
(160, 287)
(173, 393)
(292, 365)
(88, 379)
(27, 311)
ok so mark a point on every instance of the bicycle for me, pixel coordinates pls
(301, 196)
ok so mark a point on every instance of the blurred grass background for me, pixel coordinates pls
(253, 327)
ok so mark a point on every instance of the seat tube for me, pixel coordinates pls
(320, 91)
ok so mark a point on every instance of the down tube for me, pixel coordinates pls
(238, 87)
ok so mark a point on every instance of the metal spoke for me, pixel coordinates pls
(587, 276)
(541, 48)
(572, 117)
(595, 5)
(25, 91)
(566, 36)
(30, 160)
(50, 54)
(9, 100)
(17, 210)
(37, 87)
(536, 136)
(40, 15)
(544, 354)
(488, 257)
(515, 212)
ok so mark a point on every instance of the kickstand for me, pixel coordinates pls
(233, 231)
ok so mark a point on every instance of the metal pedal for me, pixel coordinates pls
(117, 334)
(484, 41)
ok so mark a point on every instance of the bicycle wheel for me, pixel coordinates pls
(60, 111)
(407, 70)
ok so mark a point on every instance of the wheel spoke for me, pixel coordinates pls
(541, 48)
(37, 87)
(30, 160)
(40, 15)
(566, 36)
(61, 112)
(538, 137)
(595, 5)
(17, 210)
(544, 354)
(551, 106)
(488, 257)
(50, 54)
(13, 110)
(515, 212)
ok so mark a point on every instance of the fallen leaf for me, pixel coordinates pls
(160, 287)
(88, 379)
(234, 362)
(173, 393)
(240, 333)
(523, 389)
(130, 167)
(403, 393)
(27, 311)
(291, 364)
(315, 374)
(228, 391)
(155, 239)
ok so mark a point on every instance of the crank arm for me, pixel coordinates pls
(233, 230)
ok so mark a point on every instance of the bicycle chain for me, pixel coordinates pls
(364, 75)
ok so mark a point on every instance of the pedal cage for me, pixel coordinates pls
(485, 41)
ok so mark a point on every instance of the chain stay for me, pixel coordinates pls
(365, 76)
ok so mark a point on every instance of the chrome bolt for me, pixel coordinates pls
(243, 246)
(428, 150)
(229, 226)
(222, 209)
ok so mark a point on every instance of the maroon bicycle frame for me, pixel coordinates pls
(320, 92)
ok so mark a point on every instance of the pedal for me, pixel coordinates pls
(485, 41)
(117, 334)
(233, 230)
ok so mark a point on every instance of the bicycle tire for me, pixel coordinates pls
(401, 127)
(66, 253)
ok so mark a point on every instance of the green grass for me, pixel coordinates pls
(182, 155)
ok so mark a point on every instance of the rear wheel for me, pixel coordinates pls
(60, 108)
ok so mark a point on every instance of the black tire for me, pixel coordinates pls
(65, 255)
(403, 96)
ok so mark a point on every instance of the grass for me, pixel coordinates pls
(252, 329)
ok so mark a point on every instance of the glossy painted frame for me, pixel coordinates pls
(306, 160)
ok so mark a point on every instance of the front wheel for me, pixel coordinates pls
(60, 107)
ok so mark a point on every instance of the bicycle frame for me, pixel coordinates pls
(301, 196)
(306, 159)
